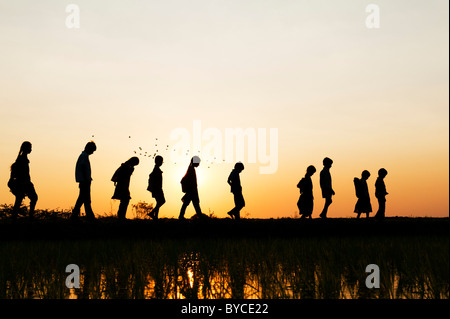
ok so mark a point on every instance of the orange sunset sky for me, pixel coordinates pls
(137, 71)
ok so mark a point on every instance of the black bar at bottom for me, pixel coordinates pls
(224, 308)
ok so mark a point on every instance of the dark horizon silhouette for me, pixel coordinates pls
(121, 179)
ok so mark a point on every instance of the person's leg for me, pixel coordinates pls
(186, 201)
(121, 213)
(160, 200)
(33, 200)
(381, 208)
(196, 203)
(239, 203)
(231, 213)
(327, 204)
(87, 200)
(76, 209)
(235, 212)
(183, 209)
(17, 203)
(310, 207)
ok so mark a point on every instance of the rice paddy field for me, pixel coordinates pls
(221, 259)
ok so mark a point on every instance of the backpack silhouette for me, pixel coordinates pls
(184, 184)
(358, 190)
(117, 175)
(301, 185)
(358, 187)
(12, 182)
(151, 183)
(154, 181)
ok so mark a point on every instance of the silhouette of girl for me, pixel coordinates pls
(305, 203)
(121, 179)
(155, 184)
(380, 193)
(363, 204)
(235, 182)
(189, 187)
(20, 182)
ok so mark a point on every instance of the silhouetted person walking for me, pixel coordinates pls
(235, 182)
(189, 187)
(121, 179)
(380, 193)
(83, 178)
(325, 185)
(305, 203)
(155, 183)
(363, 204)
(20, 182)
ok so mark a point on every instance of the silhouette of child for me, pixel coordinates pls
(155, 182)
(380, 193)
(305, 203)
(121, 179)
(363, 204)
(189, 187)
(20, 182)
(325, 185)
(235, 182)
(83, 178)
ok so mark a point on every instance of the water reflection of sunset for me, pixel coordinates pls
(290, 268)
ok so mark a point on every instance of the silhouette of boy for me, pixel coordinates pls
(325, 185)
(380, 193)
(305, 203)
(83, 178)
(189, 187)
(155, 182)
(20, 182)
(363, 204)
(121, 179)
(235, 182)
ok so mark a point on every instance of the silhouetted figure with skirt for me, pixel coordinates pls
(20, 181)
(121, 179)
(83, 178)
(235, 182)
(325, 185)
(305, 203)
(363, 204)
(155, 186)
(189, 187)
(380, 193)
